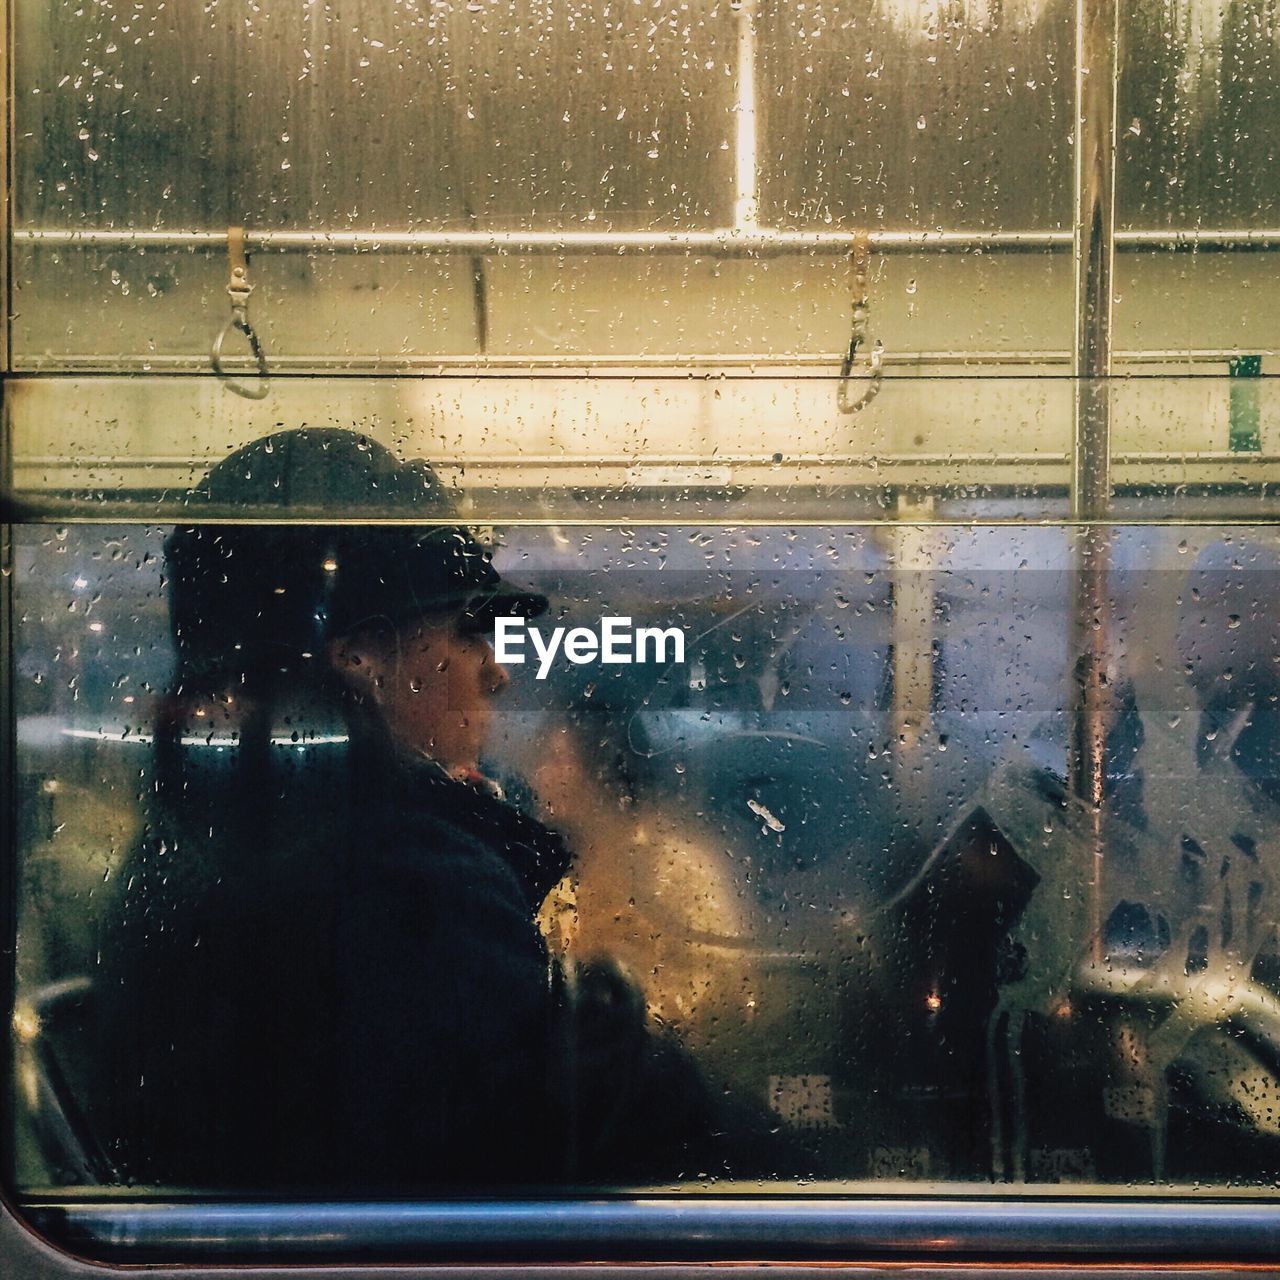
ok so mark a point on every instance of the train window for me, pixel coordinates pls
(641, 631)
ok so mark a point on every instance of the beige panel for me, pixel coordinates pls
(628, 432)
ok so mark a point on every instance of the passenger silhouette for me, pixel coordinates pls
(323, 969)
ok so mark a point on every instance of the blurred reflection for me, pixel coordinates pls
(647, 889)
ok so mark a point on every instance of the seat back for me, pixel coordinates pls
(55, 1048)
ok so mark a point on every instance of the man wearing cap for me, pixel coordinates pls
(323, 969)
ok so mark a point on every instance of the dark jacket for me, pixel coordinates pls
(346, 989)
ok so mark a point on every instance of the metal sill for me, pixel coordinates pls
(694, 1227)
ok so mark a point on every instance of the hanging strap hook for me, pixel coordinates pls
(860, 261)
(239, 290)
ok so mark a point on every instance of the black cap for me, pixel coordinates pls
(246, 596)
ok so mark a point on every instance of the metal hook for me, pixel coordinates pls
(239, 290)
(861, 260)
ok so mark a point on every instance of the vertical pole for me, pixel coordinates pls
(746, 205)
(1097, 67)
(1097, 37)
(913, 622)
(8, 715)
(9, 871)
(7, 132)
(911, 545)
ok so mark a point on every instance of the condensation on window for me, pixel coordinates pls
(831, 855)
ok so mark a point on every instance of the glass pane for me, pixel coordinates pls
(356, 116)
(353, 117)
(818, 902)
(498, 118)
(633, 755)
(885, 115)
(1199, 91)
(1197, 94)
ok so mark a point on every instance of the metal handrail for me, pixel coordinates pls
(727, 243)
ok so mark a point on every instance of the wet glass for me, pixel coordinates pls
(1197, 90)
(348, 118)
(356, 116)
(933, 844)
(833, 849)
(885, 116)
(142, 136)
(1197, 93)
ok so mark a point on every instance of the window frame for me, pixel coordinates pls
(694, 1230)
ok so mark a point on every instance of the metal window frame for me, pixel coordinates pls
(680, 1228)
(968, 1236)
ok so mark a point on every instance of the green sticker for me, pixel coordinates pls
(1245, 434)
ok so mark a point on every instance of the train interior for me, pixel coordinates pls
(953, 839)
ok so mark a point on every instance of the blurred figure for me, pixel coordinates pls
(644, 891)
